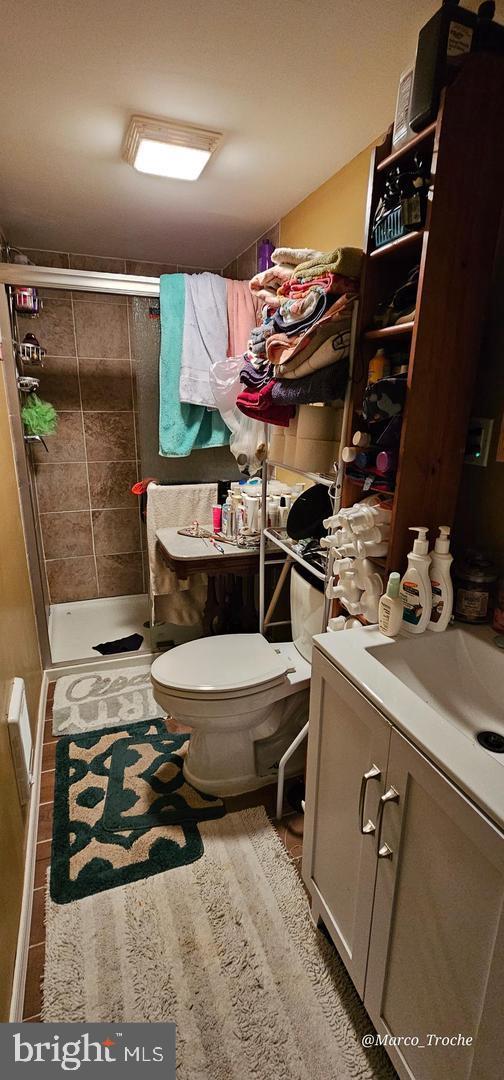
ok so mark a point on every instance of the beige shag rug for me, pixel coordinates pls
(226, 948)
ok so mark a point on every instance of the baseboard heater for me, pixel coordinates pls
(20, 739)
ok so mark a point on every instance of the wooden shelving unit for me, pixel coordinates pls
(455, 252)
(389, 332)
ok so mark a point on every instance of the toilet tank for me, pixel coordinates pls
(307, 610)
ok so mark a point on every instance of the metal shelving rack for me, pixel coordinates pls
(334, 482)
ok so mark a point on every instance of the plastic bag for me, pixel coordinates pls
(225, 382)
(247, 435)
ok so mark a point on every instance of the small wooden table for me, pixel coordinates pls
(187, 555)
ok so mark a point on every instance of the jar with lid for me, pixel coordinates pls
(474, 584)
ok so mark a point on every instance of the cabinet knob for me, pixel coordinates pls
(374, 773)
(383, 851)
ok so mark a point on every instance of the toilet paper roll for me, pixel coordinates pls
(289, 453)
(317, 422)
(277, 444)
(315, 455)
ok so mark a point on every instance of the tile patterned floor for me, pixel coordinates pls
(290, 830)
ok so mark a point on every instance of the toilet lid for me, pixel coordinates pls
(230, 662)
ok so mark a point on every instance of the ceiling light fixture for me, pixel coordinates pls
(168, 147)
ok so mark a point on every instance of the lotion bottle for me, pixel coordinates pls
(390, 608)
(441, 582)
(416, 590)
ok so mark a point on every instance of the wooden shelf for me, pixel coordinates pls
(465, 201)
(389, 332)
(405, 148)
(403, 243)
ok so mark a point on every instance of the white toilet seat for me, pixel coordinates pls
(218, 668)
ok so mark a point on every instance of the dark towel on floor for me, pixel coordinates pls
(327, 384)
(123, 644)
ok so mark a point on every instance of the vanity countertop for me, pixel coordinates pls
(439, 690)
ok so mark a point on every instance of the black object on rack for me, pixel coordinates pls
(443, 43)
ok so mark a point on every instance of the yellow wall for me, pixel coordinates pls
(19, 655)
(333, 215)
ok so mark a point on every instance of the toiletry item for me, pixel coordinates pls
(349, 453)
(416, 592)
(266, 249)
(498, 615)
(284, 512)
(362, 439)
(252, 504)
(443, 43)
(226, 506)
(386, 461)
(379, 366)
(441, 582)
(474, 582)
(217, 518)
(231, 521)
(390, 608)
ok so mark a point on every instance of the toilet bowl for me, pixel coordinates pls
(244, 698)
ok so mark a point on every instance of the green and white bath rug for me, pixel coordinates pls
(147, 789)
(93, 700)
(87, 857)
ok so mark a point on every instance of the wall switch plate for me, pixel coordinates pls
(479, 437)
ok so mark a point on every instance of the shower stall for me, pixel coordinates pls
(99, 334)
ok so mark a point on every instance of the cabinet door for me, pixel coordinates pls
(348, 745)
(436, 958)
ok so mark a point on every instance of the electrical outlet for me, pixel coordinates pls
(479, 437)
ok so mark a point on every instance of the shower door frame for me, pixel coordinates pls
(47, 277)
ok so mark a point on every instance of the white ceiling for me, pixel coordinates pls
(297, 87)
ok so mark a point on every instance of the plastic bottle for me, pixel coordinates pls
(226, 506)
(416, 591)
(379, 366)
(441, 582)
(390, 608)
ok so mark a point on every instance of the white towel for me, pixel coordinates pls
(205, 336)
(176, 506)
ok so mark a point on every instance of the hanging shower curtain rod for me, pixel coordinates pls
(86, 280)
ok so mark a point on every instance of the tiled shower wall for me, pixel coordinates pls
(89, 519)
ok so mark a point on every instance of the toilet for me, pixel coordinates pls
(244, 698)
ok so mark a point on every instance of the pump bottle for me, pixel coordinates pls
(441, 582)
(416, 591)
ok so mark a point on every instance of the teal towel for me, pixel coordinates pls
(182, 428)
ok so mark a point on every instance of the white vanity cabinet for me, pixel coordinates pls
(408, 877)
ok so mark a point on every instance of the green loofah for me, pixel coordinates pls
(39, 417)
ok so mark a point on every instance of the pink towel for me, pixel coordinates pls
(244, 312)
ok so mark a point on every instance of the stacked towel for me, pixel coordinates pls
(306, 328)
(284, 256)
(259, 405)
(265, 284)
(325, 384)
(346, 261)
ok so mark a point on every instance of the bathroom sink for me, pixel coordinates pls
(457, 673)
(444, 691)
